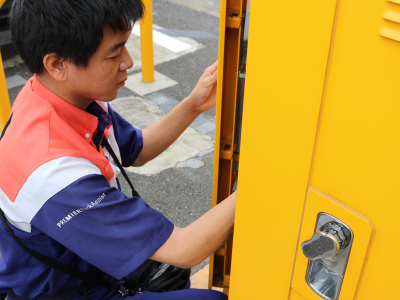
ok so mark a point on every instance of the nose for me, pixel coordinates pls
(127, 61)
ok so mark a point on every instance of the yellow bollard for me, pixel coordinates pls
(5, 107)
(146, 43)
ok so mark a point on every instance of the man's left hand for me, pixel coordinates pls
(204, 95)
(160, 135)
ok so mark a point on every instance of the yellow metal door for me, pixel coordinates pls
(288, 52)
(356, 160)
(225, 159)
(320, 135)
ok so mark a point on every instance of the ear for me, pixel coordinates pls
(55, 66)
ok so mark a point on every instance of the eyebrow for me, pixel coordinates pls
(115, 47)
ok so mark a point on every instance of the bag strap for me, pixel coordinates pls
(55, 264)
(106, 144)
(92, 279)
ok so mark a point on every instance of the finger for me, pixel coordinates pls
(210, 70)
(213, 68)
(210, 80)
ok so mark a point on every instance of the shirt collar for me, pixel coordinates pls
(82, 121)
(104, 122)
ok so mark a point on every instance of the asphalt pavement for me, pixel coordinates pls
(182, 194)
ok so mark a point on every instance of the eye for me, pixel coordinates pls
(114, 57)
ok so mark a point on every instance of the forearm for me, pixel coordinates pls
(159, 136)
(189, 246)
(203, 237)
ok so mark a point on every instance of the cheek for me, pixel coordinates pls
(108, 71)
(111, 65)
(101, 78)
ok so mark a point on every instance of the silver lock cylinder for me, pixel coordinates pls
(327, 243)
(328, 251)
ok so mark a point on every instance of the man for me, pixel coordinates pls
(58, 186)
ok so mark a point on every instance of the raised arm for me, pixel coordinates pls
(159, 136)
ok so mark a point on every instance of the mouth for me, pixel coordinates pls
(122, 83)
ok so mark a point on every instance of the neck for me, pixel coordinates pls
(59, 88)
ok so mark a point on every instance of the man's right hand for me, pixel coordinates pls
(189, 246)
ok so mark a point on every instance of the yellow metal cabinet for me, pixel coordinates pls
(320, 134)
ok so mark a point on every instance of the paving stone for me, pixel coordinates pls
(206, 127)
(156, 99)
(15, 81)
(201, 119)
(135, 83)
(169, 105)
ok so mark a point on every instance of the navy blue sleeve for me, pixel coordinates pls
(104, 227)
(129, 138)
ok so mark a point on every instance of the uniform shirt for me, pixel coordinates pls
(59, 191)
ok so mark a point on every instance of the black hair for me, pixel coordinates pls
(71, 29)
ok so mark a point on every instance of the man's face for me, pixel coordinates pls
(105, 73)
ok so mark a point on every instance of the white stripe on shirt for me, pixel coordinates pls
(42, 184)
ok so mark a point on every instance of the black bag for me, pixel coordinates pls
(152, 276)
(157, 277)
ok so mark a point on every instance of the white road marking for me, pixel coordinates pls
(164, 40)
